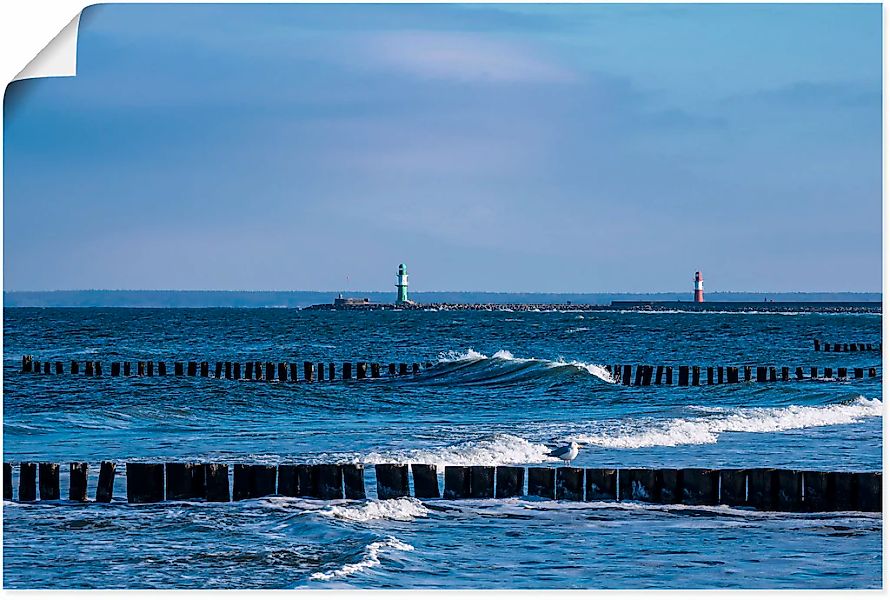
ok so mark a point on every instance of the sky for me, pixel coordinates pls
(546, 148)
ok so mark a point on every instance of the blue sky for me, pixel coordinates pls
(560, 148)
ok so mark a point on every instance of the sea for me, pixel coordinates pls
(503, 389)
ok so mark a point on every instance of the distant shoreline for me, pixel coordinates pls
(303, 299)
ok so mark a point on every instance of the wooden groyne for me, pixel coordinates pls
(247, 371)
(758, 488)
(646, 375)
(823, 346)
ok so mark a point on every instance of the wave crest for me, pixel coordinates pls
(471, 366)
(371, 558)
(399, 509)
(501, 449)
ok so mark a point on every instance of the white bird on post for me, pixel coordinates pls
(566, 453)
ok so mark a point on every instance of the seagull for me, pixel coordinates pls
(566, 453)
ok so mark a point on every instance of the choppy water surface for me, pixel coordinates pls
(504, 387)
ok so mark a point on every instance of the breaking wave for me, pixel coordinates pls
(501, 449)
(370, 559)
(472, 367)
(399, 509)
(706, 430)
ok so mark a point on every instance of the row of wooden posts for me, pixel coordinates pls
(759, 488)
(252, 370)
(692, 375)
(819, 345)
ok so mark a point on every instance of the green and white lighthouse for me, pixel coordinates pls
(402, 285)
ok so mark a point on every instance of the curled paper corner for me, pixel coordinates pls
(58, 58)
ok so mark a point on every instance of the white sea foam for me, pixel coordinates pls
(399, 509)
(370, 559)
(471, 355)
(501, 449)
(706, 430)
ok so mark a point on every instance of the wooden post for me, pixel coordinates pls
(185, 481)
(228, 369)
(60, 368)
(162, 368)
(426, 481)
(77, 482)
(872, 372)
(354, 481)
(219, 370)
(328, 481)
(282, 371)
(193, 368)
(392, 369)
(361, 370)
(270, 371)
(719, 375)
(105, 487)
(115, 369)
(509, 482)
(216, 482)
(332, 372)
(375, 370)
(177, 369)
(829, 373)
(710, 375)
(699, 486)
(248, 370)
(785, 374)
(816, 344)
(320, 371)
(570, 484)
(126, 369)
(37, 367)
(684, 376)
(669, 375)
(696, 375)
(667, 487)
(659, 373)
(253, 481)
(481, 482)
(602, 484)
(47, 367)
(788, 491)
(205, 369)
(236, 371)
(747, 373)
(542, 482)
(760, 488)
(49, 481)
(837, 347)
(403, 369)
(75, 367)
(798, 373)
(858, 372)
(293, 372)
(145, 483)
(626, 375)
(140, 368)
(457, 483)
(842, 373)
(27, 363)
(636, 484)
(772, 373)
(27, 482)
(647, 374)
(150, 368)
(638, 376)
(415, 368)
(814, 373)
(89, 367)
(392, 481)
(761, 374)
(733, 486)
(347, 371)
(869, 491)
(307, 371)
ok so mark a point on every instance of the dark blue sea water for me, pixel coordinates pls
(505, 387)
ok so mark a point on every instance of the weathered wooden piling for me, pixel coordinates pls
(177, 369)
(719, 375)
(732, 374)
(772, 374)
(320, 371)
(218, 372)
(185, 481)
(509, 482)
(145, 482)
(115, 369)
(415, 368)
(127, 369)
(699, 486)
(353, 481)
(542, 482)
(815, 488)
(787, 490)
(426, 481)
(248, 370)
(27, 363)
(733, 487)
(683, 378)
(162, 368)
(814, 373)
(841, 373)
(392, 369)
(816, 344)
(636, 484)
(27, 482)
(270, 371)
(457, 483)
(647, 374)
(361, 370)
(375, 370)
(659, 373)
(205, 369)
(328, 481)
(481, 482)
(236, 371)
(858, 372)
(288, 483)
(228, 367)
(36, 365)
(403, 368)
(761, 374)
(332, 372)
(760, 489)
(77, 481)
(829, 373)
(60, 368)
(869, 492)
(75, 367)
(216, 482)
(837, 347)
(667, 487)
(669, 375)
(88, 370)
(192, 368)
(282, 371)
(7, 481)
(696, 375)
(105, 486)
(601, 484)
(253, 481)
(49, 481)
(625, 378)
(140, 368)
(347, 371)
(47, 367)
(307, 371)
(872, 372)
(392, 481)
(293, 368)
(570, 483)
(711, 376)
(638, 375)
(798, 373)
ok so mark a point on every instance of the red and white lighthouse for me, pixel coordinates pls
(699, 287)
